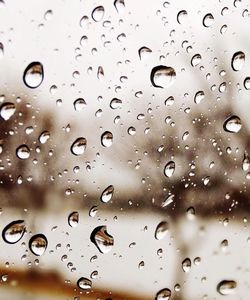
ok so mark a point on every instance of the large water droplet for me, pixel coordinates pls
(144, 52)
(115, 103)
(79, 146)
(161, 230)
(232, 124)
(182, 16)
(186, 265)
(23, 152)
(38, 244)
(107, 139)
(84, 283)
(33, 75)
(162, 76)
(119, 5)
(13, 232)
(238, 61)
(169, 169)
(163, 294)
(103, 241)
(208, 20)
(107, 194)
(73, 219)
(7, 110)
(226, 287)
(98, 13)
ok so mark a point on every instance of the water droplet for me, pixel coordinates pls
(161, 230)
(131, 130)
(181, 16)
(13, 232)
(144, 52)
(103, 241)
(208, 20)
(79, 104)
(44, 137)
(226, 287)
(107, 194)
(186, 265)
(23, 152)
(169, 200)
(245, 162)
(238, 61)
(120, 6)
(232, 124)
(169, 169)
(1, 50)
(38, 244)
(115, 103)
(162, 76)
(196, 59)
(33, 75)
(163, 294)
(79, 146)
(98, 13)
(84, 283)
(93, 211)
(247, 83)
(73, 219)
(107, 139)
(199, 96)
(7, 110)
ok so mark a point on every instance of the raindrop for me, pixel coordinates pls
(163, 294)
(79, 146)
(98, 13)
(73, 219)
(226, 287)
(1, 50)
(44, 137)
(199, 96)
(107, 139)
(107, 194)
(131, 130)
(169, 101)
(238, 61)
(93, 211)
(232, 124)
(169, 200)
(13, 232)
(144, 52)
(38, 244)
(245, 162)
(103, 241)
(79, 104)
(169, 169)
(7, 110)
(33, 75)
(84, 283)
(115, 103)
(208, 20)
(23, 152)
(161, 230)
(181, 16)
(247, 83)
(162, 76)
(119, 5)
(186, 265)
(196, 59)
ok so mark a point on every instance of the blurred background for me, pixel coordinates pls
(124, 149)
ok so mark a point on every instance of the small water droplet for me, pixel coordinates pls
(208, 20)
(93, 211)
(79, 146)
(7, 110)
(79, 104)
(196, 59)
(84, 283)
(120, 6)
(33, 75)
(115, 103)
(103, 241)
(38, 244)
(161, 230)
(107, 194)
(245, 162)
(199, 96)
(169, 169)
(98, 13)
(13, 232)
(107, 139)
(232, 124)
(163, 294)
(44, 137)
(144, 52)
(1, 50)
(23, 152)
(182, 16)
(247, 83)
(73, 219)
(186, 265)
(162, 76)
(238, 61)
(226, 287)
